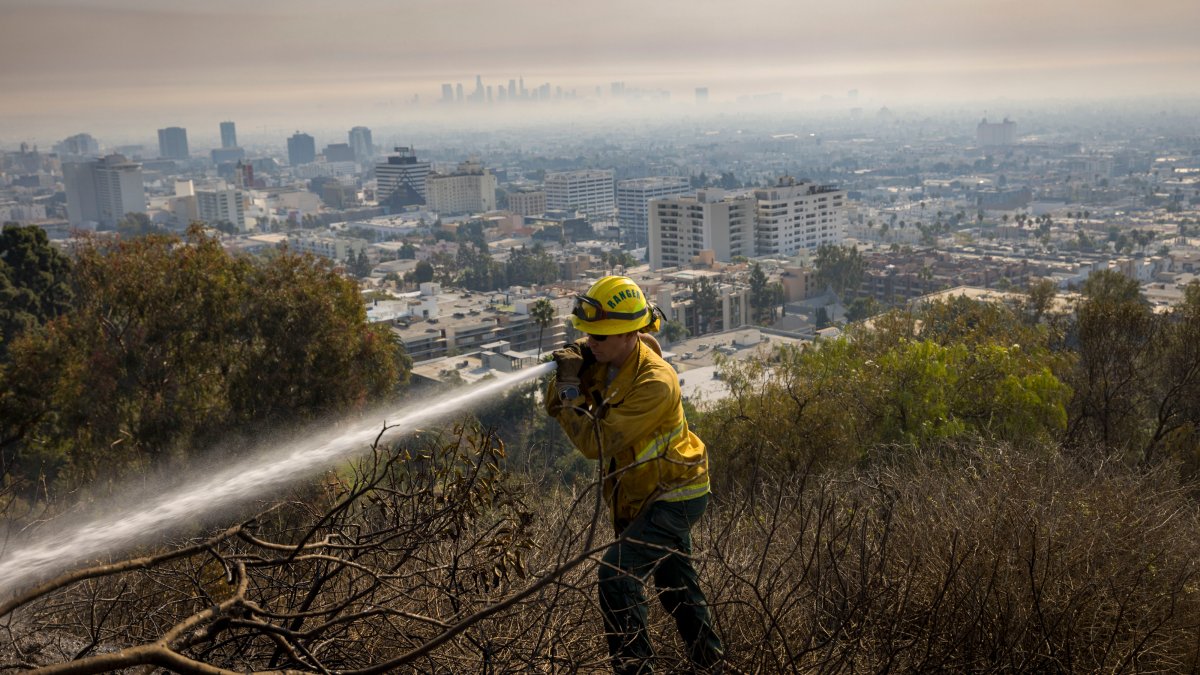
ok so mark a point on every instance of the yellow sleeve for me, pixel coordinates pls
(637, 416)
(575, 424)
(643, 411)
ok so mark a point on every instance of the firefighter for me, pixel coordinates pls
(655, 469)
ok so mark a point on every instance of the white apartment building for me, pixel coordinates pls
(402, 172)
(103, 190)
(633, 203)
(527, 202)
(800, 215)
(588, 191)
(470, 189)
(221, 203)
(682, 227)
(336, 249)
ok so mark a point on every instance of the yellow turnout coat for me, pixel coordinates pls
(644, 443)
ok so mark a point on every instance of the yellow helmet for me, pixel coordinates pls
(613, 306)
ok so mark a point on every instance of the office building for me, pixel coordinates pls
(173, 143)
(447, 93)
(588, 191)
(401, 179)
(712, 220)
(795, 215)
(338, 152)
(228, 135)
(996, 133)
(633, 203)
(221, 204)
(361, 143)
(103, 190)
(227, 155)
(302, 149)
(470, 189)
(701, 95)
(527, 202)
(81, 145)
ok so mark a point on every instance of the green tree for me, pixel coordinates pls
(862, 308)
(706, 306)
(1040, 297)
(761, 297)
(542, 312)
(138, 225)
(170, 347)
(840, 268)
(423, 272)
(34, 281)
(674, 331)
(358, 265)
(821, 318)
(880, 390)
(1116, 335)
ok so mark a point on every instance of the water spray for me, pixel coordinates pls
(269, 469)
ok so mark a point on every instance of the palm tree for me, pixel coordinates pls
(542, 312)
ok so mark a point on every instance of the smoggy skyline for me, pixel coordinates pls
(76, 65)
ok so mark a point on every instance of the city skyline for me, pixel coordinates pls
(154, 65)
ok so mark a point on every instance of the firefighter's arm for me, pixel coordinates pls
(576, 424)
(639, 414)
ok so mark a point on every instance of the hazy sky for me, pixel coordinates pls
(73, 65)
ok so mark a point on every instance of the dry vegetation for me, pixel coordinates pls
(431, 559)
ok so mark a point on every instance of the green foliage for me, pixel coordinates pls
(34, 281)
(174, 344)
(840, 268)
(477, 270)
(1109, 286)
(138, 225)
(764, 297)
(839, 402)
(674, 331)
(542, 313)
(1138, 380)
(707, 306)
(423, 272)
(526, 267)
(862, 308)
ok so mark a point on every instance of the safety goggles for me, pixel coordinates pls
(589, 309)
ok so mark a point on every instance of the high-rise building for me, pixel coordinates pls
(470, 189)
(228, 135)
(996, 133)
(361, 143)
(82, 145)
(227, 155)
(103, 190)
(173, 143)
(713, 220)
(701, 95)
(221, 204)
(795, 215)
(401, 179)
(338, 152)
(447, 93)
(302, 149)
(527, 202)
(633, 203)
(588, 191)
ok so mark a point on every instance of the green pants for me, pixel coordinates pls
(658, 543)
